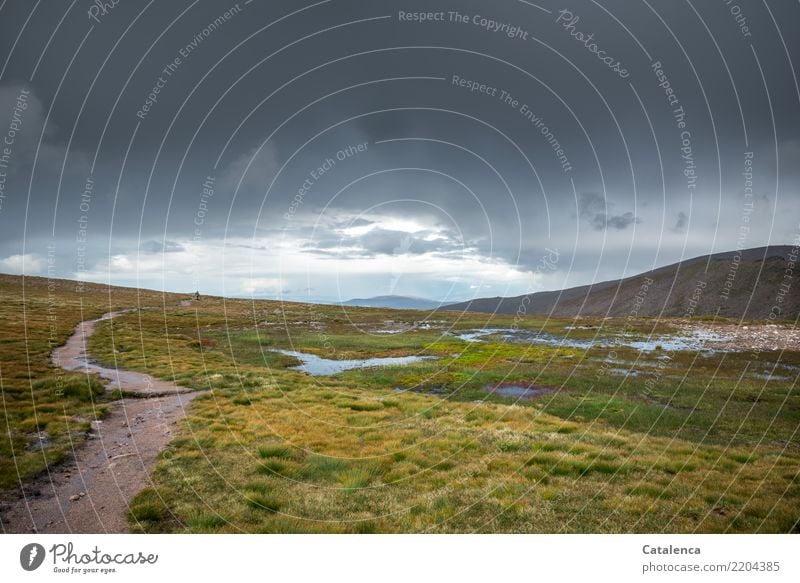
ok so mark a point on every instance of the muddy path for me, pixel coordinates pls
(91, 492)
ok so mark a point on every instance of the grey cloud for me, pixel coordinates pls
(381, 242)
(681, 222)
(369, 97)
(594, 209)
(165, 246)
(386, 242)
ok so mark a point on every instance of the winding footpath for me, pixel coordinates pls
(91, 492)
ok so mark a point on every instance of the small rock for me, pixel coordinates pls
(74, 498)
(82, 494)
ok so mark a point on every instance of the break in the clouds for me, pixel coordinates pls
(335, 149)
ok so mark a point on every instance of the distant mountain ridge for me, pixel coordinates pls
(396, 302)
(749, 284)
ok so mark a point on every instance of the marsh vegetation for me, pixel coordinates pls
(497, 435)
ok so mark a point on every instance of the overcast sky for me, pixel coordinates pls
(338, 149)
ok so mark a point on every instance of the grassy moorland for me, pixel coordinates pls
(685, 442)
(47, 411)
(694, 442)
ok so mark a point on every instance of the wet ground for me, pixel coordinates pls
(519, 391)
(72, 356)
(318, 366)
(695, 340)
(91, 492)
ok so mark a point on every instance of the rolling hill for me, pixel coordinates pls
(749, 284)
(396, 302)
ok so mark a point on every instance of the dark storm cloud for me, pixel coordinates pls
(494, 170)
(594, 209)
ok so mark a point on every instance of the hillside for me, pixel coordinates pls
(713, 282)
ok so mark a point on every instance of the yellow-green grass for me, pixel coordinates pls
(267, 449)
(272, 450)
(300, 458)
(45, 411)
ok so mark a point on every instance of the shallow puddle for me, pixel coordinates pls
(696, 341)
(318, 366)
(519, 391)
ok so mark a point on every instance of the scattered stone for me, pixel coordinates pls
(74, 498)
